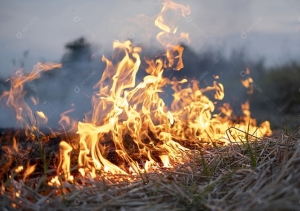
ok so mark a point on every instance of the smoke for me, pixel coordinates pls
(71, 87)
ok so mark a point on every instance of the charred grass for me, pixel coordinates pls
(253, 175)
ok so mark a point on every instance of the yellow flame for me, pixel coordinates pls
(43, 116)
(15, 96)
(29, 170)
(130, 129)
(64, 159)
(19, 169)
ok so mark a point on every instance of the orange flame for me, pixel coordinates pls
(130, 128)
(64, 159)
(15, 97)
(29, 170)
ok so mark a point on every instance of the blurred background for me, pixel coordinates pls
(226, 39)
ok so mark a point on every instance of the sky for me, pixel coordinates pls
(269, 28)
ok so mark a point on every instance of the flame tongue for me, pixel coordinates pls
(15, 97)
(130, 128)
(129, 112)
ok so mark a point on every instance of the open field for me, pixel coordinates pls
(261, 175)
(144, 107)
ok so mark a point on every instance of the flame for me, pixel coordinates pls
(19, 169)
(130, 128)
(168, 25)
(15, 96)
(54, 181)
(29, 170)
(167, 37)
(248, 81)
(64, 159)
(43, 116)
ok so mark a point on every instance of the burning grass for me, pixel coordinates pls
(215, 178)
(133, 152)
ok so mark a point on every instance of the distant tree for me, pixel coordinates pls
(78, 50)
(282, 86)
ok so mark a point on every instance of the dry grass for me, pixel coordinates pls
(223, 178)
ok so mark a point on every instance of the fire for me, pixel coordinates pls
(248, 81)
(19, 169)
(131, 129)
(64, 159)
(29, 170)
(15, 96)
(42, 116)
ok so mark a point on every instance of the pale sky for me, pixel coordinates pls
(269, 28)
